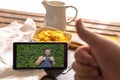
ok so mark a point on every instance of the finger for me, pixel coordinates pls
(77, 77)
(83, 56)
(85, 71)
(98, 78)
(92, 39)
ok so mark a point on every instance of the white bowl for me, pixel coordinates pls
(68, 35)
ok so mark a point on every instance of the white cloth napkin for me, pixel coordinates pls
(14, 32)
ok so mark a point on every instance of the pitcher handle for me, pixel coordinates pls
(75, 13)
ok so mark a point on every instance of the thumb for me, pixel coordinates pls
(92, 39)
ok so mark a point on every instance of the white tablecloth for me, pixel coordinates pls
(14, 32)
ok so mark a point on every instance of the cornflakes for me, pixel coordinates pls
(50, 35)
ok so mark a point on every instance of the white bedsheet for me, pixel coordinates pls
(14, 32)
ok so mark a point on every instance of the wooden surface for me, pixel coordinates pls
(7, 16)
(100, 27)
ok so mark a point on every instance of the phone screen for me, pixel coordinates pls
(43, 55)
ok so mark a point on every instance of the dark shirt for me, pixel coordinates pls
(46, 63)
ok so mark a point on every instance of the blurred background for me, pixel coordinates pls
(105, 10)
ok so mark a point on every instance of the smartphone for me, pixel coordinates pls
(40, 55)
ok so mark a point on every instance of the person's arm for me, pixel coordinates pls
(52, 60)
(39, 60)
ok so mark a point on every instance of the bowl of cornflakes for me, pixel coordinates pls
(50, 34)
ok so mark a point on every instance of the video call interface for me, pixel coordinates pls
(39, 55)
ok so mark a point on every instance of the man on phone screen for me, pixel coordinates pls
(46, 60)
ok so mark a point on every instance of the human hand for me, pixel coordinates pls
(85, 65)
(100, 60)
(51, 58)
(43, 58)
